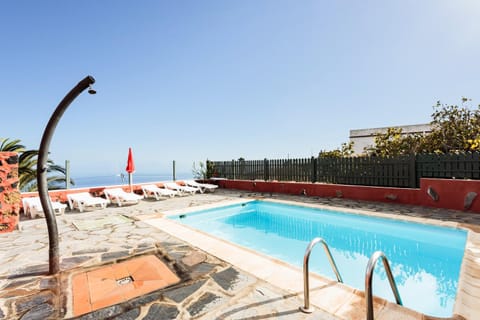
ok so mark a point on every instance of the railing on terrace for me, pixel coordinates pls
(400, 171)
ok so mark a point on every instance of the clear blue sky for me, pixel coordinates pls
(191, 80)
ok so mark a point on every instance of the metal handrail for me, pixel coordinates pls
(306, 283)
(368, 281)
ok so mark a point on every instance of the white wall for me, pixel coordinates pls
(363, 138)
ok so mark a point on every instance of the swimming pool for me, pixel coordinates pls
(425, 259)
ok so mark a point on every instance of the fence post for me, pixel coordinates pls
(314, 169)
(67, 174)
(266, 174)
(207, 174)
(412, 171)
(233, 169)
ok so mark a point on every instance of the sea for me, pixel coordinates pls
(122, 179)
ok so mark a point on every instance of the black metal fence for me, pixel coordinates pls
(400, 171)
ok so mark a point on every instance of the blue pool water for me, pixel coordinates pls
(425, 260)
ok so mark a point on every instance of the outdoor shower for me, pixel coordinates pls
(53, 255)
(91, 90)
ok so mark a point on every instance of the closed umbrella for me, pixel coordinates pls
(130, 168)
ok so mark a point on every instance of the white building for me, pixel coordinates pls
(363, 138)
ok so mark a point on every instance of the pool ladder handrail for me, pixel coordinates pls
(368, 281)
(306, 283)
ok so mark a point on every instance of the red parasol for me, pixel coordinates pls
(130, 168)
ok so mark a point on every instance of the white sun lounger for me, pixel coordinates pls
(202, 186)
(151, 190)
(184, 190)
(82, 200)
(33, 207)
(119, 196)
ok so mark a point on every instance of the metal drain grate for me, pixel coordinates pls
(124, 281)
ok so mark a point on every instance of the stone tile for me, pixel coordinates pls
(48, 283)
(161, 311)
(96, 239)
(194, 258)
(14, 250)
(206, 302)
(100, 232)
(177, 255)
(26, 303)
(34, 270)
(29, 238)
(34, 246)
(80, 235)
(72, 262)
(18, 283)
(227, 278)
(105, 313)
(114, 255)
(128, 315)
(141, 232)
(202, 269)
(43, 311)
(149, 244)
(90, 251)
(145, 299)
(180, 294)
(5, 294)
(143, 250)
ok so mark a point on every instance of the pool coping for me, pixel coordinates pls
(335, 298)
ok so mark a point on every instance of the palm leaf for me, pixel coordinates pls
(27, 167)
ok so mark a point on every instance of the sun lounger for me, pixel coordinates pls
(84, 200)
(33, 207)
(151, 190)
(119, 196)
(184, 190)
(202, 186)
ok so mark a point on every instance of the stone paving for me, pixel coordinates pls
(210, 288)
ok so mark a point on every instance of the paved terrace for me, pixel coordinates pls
(209, 287)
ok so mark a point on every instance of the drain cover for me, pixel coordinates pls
(111, 284)
(124, 281)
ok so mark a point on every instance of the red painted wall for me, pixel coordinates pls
(451, 193)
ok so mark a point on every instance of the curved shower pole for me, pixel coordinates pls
(54, 260)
